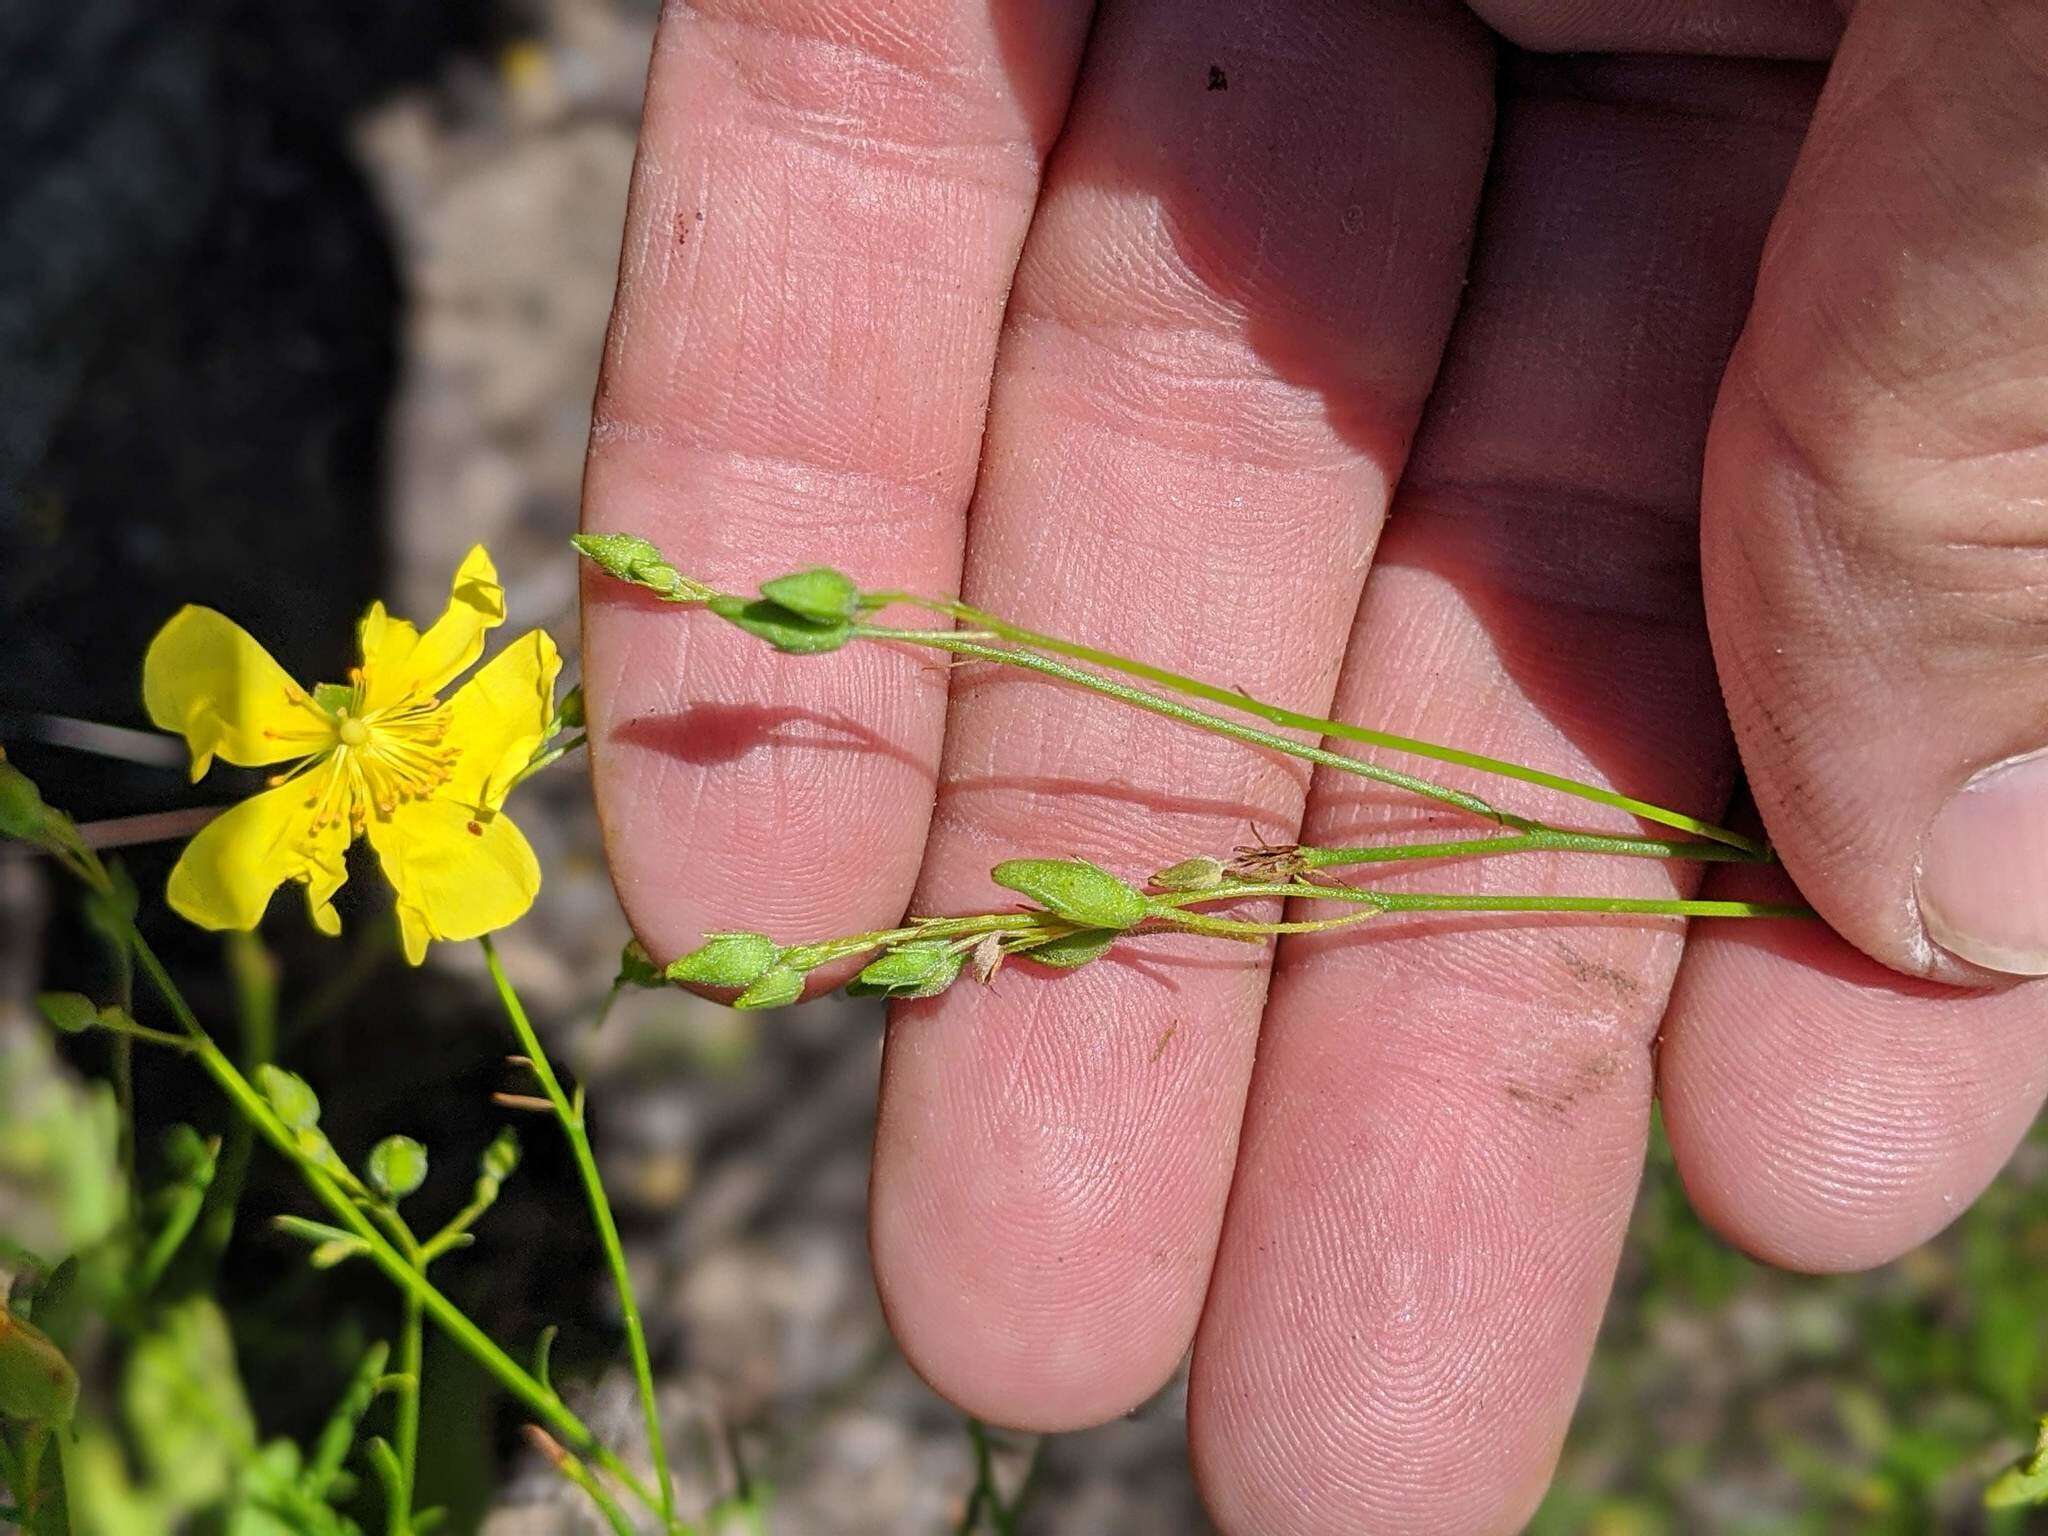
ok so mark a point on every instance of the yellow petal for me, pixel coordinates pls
(207, 679)
(498, 717)
(400, 663)
(226, 875)
(457, 876)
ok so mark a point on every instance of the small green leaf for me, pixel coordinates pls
(1074, 889)
(397, 1167)
(787, 630)
(777, 987)
(727, 960)
(1071, 950)
(37, 1384)
(913, 971)
(290, 1095)
(1200, 873)
(820, 594)
(72, 1013)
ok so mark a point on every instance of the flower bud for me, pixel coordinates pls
(1074, 889)
(500, 1159)
(290, 1096)
(397, 1167)
(569, 713)
(727, 960)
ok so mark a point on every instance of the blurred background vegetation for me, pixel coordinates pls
(297, 301)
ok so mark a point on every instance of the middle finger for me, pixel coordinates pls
(1228, 311)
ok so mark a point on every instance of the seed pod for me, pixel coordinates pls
(822, 594)
(37, 1384)
(777, 987)
(727, 960)
(788, 631)
(914, 970)
(1074, 889)
(1072, 950)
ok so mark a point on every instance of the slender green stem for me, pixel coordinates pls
(411, 1361)
(133, 1032)
(547, 759)
(1201, 720)
(1540, 840)
(254, 973)
(571, 1118)
(1244, 703)
(543, 1402)
(1428, 901)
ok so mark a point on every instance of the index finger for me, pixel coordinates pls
(828, 202)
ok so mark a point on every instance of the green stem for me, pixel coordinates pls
(1244, 703)
(411, 1362)
(254, 973)
(1164, 907)
(544, 1403)
(571, 1118)
(1540, 840)
(1201, 720)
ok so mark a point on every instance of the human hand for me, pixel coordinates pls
(1275, 246)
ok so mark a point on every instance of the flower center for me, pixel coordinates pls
(379, 761)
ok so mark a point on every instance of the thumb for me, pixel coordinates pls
(1875, 536)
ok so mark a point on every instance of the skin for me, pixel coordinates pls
(1664, 414)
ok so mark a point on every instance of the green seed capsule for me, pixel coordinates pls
(1074, 889)
(777, 987)
(727, 960)
(914, 971)
(822, 594)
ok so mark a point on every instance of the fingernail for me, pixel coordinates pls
(1984, 870)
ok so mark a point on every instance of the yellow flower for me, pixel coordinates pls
(381, 756)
